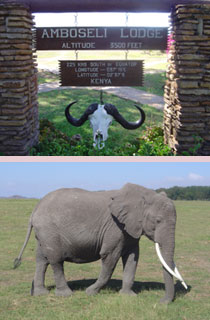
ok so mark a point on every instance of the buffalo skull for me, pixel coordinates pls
(101, 116)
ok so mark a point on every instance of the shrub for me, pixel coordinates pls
(194, 150)
(53, 142)
(152, 143)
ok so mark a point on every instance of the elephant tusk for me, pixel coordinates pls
(181, 279)
(174, 273)
(163, 261)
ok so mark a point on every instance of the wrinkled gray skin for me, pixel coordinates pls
(82, 226)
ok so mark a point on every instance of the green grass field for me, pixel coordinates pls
(192, 258)
(153, 82)
(152, 59)
(52, 107)
(120, 142)
(155, 63)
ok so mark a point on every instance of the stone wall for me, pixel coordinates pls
(187, 90)
(18, 82)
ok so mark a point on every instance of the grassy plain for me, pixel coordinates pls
(121, 142)
(152, 59)
(192, 258)
(155, 63)
(153, 82)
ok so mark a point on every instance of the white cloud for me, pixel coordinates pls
(195, 177)
(191, 178)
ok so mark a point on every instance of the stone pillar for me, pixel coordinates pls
(18, 82)
(187, 90)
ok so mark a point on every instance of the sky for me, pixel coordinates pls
(35, 179)
(101, 19)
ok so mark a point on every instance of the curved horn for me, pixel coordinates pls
(112, 110)
(79, 122)
(174, 273)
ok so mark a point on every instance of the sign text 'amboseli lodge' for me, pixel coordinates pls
(101, 38)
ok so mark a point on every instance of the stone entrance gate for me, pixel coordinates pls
(187, 90)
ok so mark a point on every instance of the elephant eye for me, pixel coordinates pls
(150, 225)
(158, 219)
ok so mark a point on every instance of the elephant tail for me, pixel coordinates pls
(17, 261)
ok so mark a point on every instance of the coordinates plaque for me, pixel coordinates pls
(101, 73)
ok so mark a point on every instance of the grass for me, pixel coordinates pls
(192, 258)
(47, 77)
(152, 59)
(154, 83)
(154, 64)
(120, 142)
(52, 107)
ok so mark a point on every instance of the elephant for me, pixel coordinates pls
(80, 226)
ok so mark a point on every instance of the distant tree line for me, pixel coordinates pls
(187, 193)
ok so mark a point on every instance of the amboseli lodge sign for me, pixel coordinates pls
(101, 38)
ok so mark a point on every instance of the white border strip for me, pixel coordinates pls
(102, 159)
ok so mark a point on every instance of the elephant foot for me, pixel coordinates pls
(39, 292)
(91, 291)
(128, 291)
(63, 292)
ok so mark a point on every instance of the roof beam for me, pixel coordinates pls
(37, 6)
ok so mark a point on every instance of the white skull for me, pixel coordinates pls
(100, 117)
(100, 121)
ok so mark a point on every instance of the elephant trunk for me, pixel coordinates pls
(166, 256)
(167, 249)
(169, 282)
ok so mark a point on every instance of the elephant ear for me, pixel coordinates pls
(126, 208)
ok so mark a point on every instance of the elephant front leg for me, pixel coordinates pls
(130, 260)
(109, 262)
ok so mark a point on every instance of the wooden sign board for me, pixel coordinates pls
(101, 73)
(101, 38)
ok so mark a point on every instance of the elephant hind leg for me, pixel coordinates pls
(109, 262)
(38, 287)
(62, 288)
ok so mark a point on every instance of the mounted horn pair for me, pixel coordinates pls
(111, 110)
(79, 122)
